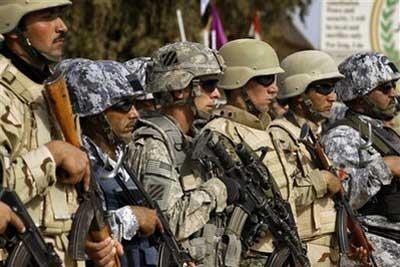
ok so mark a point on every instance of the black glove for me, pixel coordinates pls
(232, 189)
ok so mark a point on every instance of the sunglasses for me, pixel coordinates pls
(322, 88)
(124, 105)
(265, 80)
(209, 85)
(386, 88)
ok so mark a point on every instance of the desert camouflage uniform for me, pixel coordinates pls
(26, 126)
(316, 214)
(237, 125)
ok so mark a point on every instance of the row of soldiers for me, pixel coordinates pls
(148, 118)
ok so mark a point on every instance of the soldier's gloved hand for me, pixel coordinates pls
(73, 161)
(232, 189)
(147, 219)
(102, 253)
(333, 183)
(9, 217)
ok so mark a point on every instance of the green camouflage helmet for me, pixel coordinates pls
(303, 68)
(246, 59)
(11, 11)
(176, 65)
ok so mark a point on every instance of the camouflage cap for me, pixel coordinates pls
(176, 65)
(94, 86)
(363, 73)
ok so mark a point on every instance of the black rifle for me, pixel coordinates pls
(171, 252)
(263, 213)
(29, 248)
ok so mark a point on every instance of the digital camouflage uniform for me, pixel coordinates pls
(94, 87)
(348, 150)
(26, 126)
(158, 153)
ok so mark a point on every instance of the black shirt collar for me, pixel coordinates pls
(35, 74)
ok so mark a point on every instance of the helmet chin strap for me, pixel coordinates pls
(379, 113)
(311, 113)
(34, 53)
(110, 135)
(250, 107)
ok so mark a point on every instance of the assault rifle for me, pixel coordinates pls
(90, 217)
(27, 248)
(255, 213)
(346, 218)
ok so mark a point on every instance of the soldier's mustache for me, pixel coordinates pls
(61, 37)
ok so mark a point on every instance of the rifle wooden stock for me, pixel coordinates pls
(359, 239)
(60, 103)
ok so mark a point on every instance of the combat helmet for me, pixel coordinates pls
(363, 73)
(176, 66)
(95, 86)
(303, 68)
(11, 13)
(245, 59)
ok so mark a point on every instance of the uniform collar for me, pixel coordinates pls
(374, 122)
(243, 117)
(316, 128)
(35, 74)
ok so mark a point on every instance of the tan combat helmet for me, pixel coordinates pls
(245, 59)
(11, 11)
(303, 68)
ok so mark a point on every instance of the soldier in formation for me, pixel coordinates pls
(200, 199)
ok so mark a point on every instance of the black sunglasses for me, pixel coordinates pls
(265, 80)
(322, 88)
(209, 85)
(124, 105)
(386, 88)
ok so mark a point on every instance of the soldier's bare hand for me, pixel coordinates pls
(147, 219)
(360, 254)
(73, 161)
(393, 163)
(9, 217)
(103, 253)
(333, 183)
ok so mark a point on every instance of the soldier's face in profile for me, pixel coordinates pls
(46, 31)
(122, 121)
(383, 96)
(209, 94)
(262, 94)
(322, 96)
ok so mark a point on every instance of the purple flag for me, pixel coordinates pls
(217, 27)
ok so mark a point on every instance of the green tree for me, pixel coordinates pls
(123, 29)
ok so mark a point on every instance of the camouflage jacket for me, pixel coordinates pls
(185, 198)
(26, 126)
(365, 166)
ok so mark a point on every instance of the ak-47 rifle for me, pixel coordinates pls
(90, 217)
(28, 248)
(171, 253)
(254, 213)
(346, 218)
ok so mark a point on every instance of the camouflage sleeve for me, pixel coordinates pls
(187, 211)
(366, 168)
(29, 173)
(308, 185)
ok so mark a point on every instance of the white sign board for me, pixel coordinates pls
(350, 26)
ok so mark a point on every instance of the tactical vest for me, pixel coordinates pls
(238, 125)
(138, 252)
(205, 246)
(53, 211)
(320, 217)
(387, 142)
